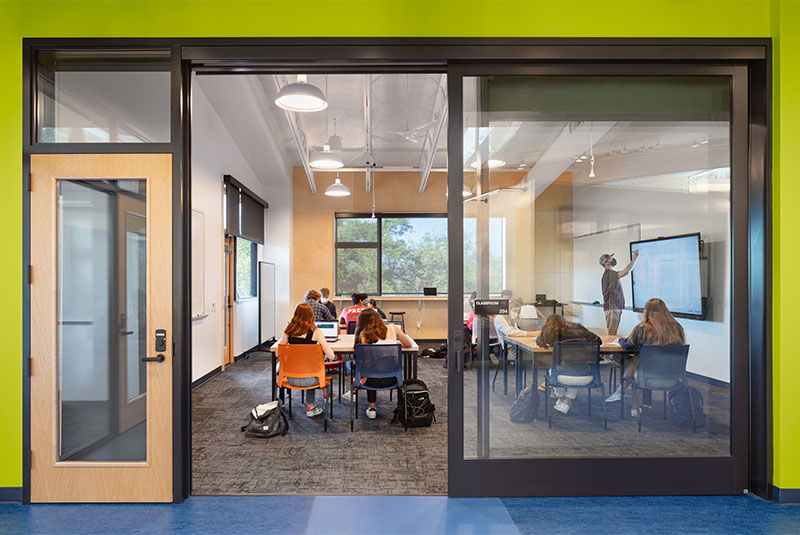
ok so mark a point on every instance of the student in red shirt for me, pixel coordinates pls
(351, 313)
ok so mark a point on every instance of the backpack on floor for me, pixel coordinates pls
(267, 420)
(415, 401)
(681, 411)
(524, 407)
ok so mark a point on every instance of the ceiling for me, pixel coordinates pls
(398, 121)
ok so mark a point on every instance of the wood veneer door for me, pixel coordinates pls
(101, 249)
(230, 282)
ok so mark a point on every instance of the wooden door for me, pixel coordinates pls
(101, 403)
(230, 288)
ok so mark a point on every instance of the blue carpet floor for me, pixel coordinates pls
(410, 515)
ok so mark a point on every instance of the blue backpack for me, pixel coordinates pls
(681, 411)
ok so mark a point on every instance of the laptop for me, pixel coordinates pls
(329, 328)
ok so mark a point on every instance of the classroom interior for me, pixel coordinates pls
(557, 172)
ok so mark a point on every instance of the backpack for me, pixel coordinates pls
(415, 399)
(681, 411)
(524, 407)
(265, 421)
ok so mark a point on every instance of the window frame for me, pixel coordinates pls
(377, 245)
(253, 270)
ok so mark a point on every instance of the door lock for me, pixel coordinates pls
(161, 340)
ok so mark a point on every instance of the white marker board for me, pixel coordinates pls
(266, 301)
(198, 263)
(586, 269)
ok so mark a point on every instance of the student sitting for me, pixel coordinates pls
(321, 312)
(471, 313)
(371, 303)
(371, 329)
(351, 313)
(506, 325)
(557, 329)
(325, 300)
(657, 328)
(302, 330)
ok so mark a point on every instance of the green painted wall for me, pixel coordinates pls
(779, 19)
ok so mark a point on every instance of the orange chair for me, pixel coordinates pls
(302, 361)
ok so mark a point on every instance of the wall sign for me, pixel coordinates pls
(487, 307)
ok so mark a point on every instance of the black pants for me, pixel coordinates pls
(372, 395)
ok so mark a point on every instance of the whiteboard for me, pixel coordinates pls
(586, 269)
(266, 301)
(198, 263)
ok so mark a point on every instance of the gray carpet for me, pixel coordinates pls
(378, 458)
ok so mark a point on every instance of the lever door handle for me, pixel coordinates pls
(126, 333)
(157, 358)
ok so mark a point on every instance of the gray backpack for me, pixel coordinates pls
(267, 420)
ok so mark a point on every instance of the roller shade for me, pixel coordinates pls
(244, 211)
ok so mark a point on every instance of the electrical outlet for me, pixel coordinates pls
(419, 324)
(212, 307)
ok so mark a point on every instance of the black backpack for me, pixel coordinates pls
(524, 407)
(681, 411)
(267, 420)
(415, 401)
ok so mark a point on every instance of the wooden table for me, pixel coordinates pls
(344, 347)
(527, 344)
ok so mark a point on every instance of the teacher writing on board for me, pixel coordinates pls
(613, 299)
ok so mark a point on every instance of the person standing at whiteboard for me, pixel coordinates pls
(613, 298)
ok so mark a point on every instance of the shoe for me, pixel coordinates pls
(542, 386)
(616, 396)
(635, 412)
(372, 414)
(331, 397)
(494, 359)
(348, 396)
(645, 405)
(563, 408)
(313, 410)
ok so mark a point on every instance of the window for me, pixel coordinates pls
(391, 254)
(246, 258)
(497, 255)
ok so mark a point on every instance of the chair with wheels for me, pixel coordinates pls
(300, 361)
(376, 361)
(661, 368)
(575, 365)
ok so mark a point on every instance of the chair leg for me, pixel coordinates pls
(405, 411)
(547, 408)
(496, 371)
(324, 412)
(590, 402)
(622, 398)
(665, 404)
(291, 416)
(390, 395)
(351, 416)
(605, 410)
(303, 397)
(330, 398)
(355, 392)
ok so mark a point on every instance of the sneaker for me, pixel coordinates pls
(494, 359)
(313, 410)
(563, 408)
(635, 412)
(372, 414)
(616, 396)
(645, 405)
(542, 386)
(348, 396)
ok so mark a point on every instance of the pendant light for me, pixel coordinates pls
(327, 158)
(301, 96)
(491, 163)
(591, 153)
(337, 189)
(466, 192)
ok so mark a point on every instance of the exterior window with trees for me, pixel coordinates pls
(246, 258)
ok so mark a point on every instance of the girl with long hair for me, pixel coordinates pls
(657, 328)
(303, 330)
(557, 329)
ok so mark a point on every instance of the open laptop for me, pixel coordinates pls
(330, 329)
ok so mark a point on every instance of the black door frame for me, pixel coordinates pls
(360, 55)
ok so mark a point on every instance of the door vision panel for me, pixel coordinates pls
(101, 316)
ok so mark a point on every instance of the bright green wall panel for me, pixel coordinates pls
(375, 18)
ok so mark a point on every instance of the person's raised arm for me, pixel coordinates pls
(627, 269)
(404, 339)
(319, 338)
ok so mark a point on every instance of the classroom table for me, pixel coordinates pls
(345, 346)
(527, 344)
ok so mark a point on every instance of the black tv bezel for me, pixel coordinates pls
(686, 315)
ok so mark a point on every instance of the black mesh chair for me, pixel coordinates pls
(661, 368)
(576, 365)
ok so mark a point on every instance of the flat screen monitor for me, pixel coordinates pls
(330, 329)
(669, 268)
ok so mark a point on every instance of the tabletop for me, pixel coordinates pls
(529, 343)
(346, 344)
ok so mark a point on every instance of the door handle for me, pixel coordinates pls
(126, 333)
(458, 343)
(157, 358)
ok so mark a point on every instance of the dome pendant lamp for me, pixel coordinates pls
(337, 189)
(301, 96)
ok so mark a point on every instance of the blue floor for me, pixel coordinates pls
(411, 515)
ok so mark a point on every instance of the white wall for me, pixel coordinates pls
(214, 154)
(667, 213)
(278, 249)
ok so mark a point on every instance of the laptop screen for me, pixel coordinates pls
(329, 328)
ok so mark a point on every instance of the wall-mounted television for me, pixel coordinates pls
(669, 268)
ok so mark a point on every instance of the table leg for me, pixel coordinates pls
(536, 389)
(414, 356)
(505, 372)
(518, 371)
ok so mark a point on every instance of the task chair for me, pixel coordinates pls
(300, 361)
(660, 368)
(575, 365)
(376, 361)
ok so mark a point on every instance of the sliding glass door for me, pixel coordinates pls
(598, 203)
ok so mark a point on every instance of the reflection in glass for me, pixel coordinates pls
(101, 320)
(593, 165)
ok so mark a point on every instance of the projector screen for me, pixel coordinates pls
(669, 268)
